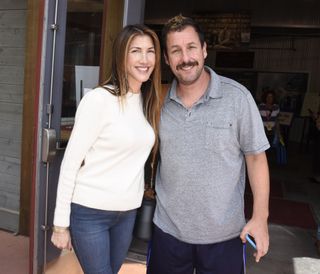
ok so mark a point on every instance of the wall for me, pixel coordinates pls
(12, 47)
(300, 54)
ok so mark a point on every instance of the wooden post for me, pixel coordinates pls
(112, 24)
(30, 101)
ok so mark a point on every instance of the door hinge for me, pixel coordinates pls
(49, 108)
(54, 27)
(45, 227)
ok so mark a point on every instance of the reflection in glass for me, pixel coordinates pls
(82, 47)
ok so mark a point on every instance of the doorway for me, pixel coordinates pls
(77, 35)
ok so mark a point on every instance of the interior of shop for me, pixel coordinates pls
(264, 45)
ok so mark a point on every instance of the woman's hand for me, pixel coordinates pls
(61, 239)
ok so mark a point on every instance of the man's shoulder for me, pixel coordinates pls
(232, 86)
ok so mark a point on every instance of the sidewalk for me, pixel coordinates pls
(14, 253)
(68, 264)
(14, 256)
(292, 251)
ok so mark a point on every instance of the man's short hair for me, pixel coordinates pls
(179, 23)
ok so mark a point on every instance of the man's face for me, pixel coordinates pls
(185, 56)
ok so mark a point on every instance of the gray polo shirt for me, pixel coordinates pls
(201, 174)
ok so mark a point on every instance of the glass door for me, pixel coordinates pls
(82, 57)
(71, 66)
(76, 50)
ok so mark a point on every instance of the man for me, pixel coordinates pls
(210, 128)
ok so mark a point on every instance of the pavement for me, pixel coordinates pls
(292, 251)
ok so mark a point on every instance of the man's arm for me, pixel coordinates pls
(257, 226)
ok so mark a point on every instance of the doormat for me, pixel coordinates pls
(286, 212)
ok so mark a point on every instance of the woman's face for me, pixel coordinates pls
(141, 60)
(269, 99)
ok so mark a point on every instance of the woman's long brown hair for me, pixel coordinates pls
(151, 90)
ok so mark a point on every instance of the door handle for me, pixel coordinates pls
(49, 139)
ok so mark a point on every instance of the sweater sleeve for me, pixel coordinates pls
(88, 124)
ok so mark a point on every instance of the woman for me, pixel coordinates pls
(269, 112)
(101, 180)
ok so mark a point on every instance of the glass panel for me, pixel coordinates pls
(82, 48)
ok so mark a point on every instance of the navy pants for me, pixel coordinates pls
(171, 256)
(101, 238)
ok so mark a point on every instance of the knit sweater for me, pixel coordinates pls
(103, 165)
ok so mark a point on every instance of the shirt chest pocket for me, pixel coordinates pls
(218, 135)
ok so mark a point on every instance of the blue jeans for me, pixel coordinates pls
(101, 238)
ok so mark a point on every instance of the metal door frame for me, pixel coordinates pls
(50, 83)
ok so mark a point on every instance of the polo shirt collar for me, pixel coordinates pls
(213, 90)
(214, 87)
(173, 91)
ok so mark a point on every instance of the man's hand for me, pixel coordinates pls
(259, 230)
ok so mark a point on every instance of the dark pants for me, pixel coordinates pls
(171, 256)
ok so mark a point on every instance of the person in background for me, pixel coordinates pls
(316, 165)
(318, 239)
(315, 130)
(269, 111)
(101, 181)
(210, 130)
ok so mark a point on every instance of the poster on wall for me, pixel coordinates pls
(290, 89)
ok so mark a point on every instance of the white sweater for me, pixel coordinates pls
(114, 142)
